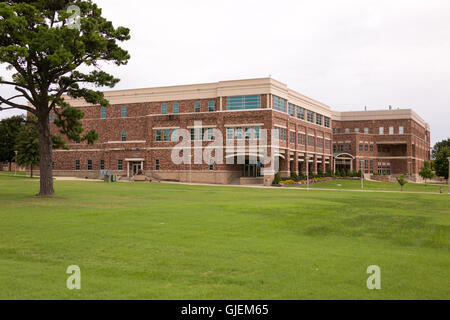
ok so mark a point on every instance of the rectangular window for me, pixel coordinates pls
(291, 110)
(292, 137)
(371, 148)
(320, 142)
(366, 148)
(211, 165)
(311, 141)
(230, 134)
(164, 108)
(211, 106)
(77, 165)
(124, 112)
(102, 164)
(89, 165)
(401, 130)
(319, 119)
(348, 147)
(176, 108)
(334, 148)
(157, 164)
(210, 134)
(103, 113)
(300, 113)
(158, 135)
(347, 130)
(120, 165)
(279, 104)
(257, 132)
(238, 133)
(310, 116)
(166, 134)
(174, 135)
(366, 130)
(283, 134)
(391, 130)
(356, 130)
(381, 130)
(327, 122)
(197, 107)
(244, 102)
(124, 136)
(301, 139)
(248, 133)
(361, 147)
(192, 134)
(327, 144)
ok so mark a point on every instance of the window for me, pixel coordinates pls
(310, 116)
(158, 135)
(401, 130)
(279, 104)
(174, 135)
(291, 110)
(238, 133)
(320, 142)
(347, 130)
(166, 133)
(334, 148)
(366, 130)
(210, 134)
(283, 134)
(348, 147)
(176, 108)
(327, 122)
(211, 106)
(366, 148)
(248, 133)
(371, 165)
(356, 130)
(327, 144)
(302, 139)
(338, 130)
(300, 113)
(157, 164)
(391, 130)
(361, 147)
(381, 130)
(311, 141)
(102, 164)
(120, 165)
(244, 102)
(319, 119)
(292, 137)
(341, 148)
(124, 136)
(192, 134)
(164, 108)
(197, 107)
(77, 165)
(89, 165)
(124, 112)
(211, 165)
(257, 132)
(103, 113)
(230, 133)
(371, 148)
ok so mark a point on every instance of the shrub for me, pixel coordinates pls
(277, 179)
(401, 181)
(294, 176)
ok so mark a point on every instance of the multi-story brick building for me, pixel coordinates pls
(141, 128)
(141, 131)
(388, 142)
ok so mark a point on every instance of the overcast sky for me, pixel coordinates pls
(346, 53)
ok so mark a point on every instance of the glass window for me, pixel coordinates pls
(124, 112)
(211, 165)
(157, 164)
(366, 130)
(248, 133)
(119, 164)
(89, 165)
(77, 165)
(102, 164)
(238, 133)
(381, 130)
(401, 130)
(391, 130)
(244, 102)
(327, 122)
(310, 116)
(211, 106)
(124, 136)
(192, 134)
(176, 108)
(311, 141)
(301, 139)
(356, 130)
(103, 113)
(197, 107)
(210, 134)
(347, 130)
(257, 132)
(158, 135)
(174, 135)
(230, 133)
(366, 148)
(319, 119)
(164, 108)
(166, 134)
(279, 104)
(300, 113)
(292, 137)
(327, 144)
(361, 147)
(291, 110)
(371, 148)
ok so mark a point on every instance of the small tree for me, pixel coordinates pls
(401, 181)
(9, 129)
(277, 179)
(27, 145)
(441, 162)
(426, 172)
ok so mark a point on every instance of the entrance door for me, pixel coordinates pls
(137, 166)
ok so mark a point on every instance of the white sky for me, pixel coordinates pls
(347, 53)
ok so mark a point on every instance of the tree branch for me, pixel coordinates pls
(15, 106)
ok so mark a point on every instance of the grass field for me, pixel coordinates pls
(165, 241)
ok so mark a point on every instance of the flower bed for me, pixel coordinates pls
(302, 182)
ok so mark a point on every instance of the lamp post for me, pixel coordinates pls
(15, 163)
(307, 173)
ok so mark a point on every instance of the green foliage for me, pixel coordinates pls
(438, 146)
(27, 145)
(441, 162)
(277, 179)
(294, 176)
(426, 172)
(9, 128)
(401, 181)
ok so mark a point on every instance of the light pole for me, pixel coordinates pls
(362, 180)
(307, 173)
(15, 163)
(448, 180)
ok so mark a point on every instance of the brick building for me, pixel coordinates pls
(390, 142)
(141, 128)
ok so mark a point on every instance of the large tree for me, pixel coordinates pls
(438, 146)
(426, 172)
(9, 128)
(441, 162)
(55, 49)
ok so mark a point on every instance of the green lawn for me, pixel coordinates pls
(376, 186)
(165, 241)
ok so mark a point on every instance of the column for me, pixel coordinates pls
(314, 167)
(128, 169)
(296, 162)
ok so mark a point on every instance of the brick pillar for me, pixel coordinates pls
(285, 165)
(296, 162)
(314, 166)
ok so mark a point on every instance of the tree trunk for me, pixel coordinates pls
(10, 166)
(31, 173)
(45, 152)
